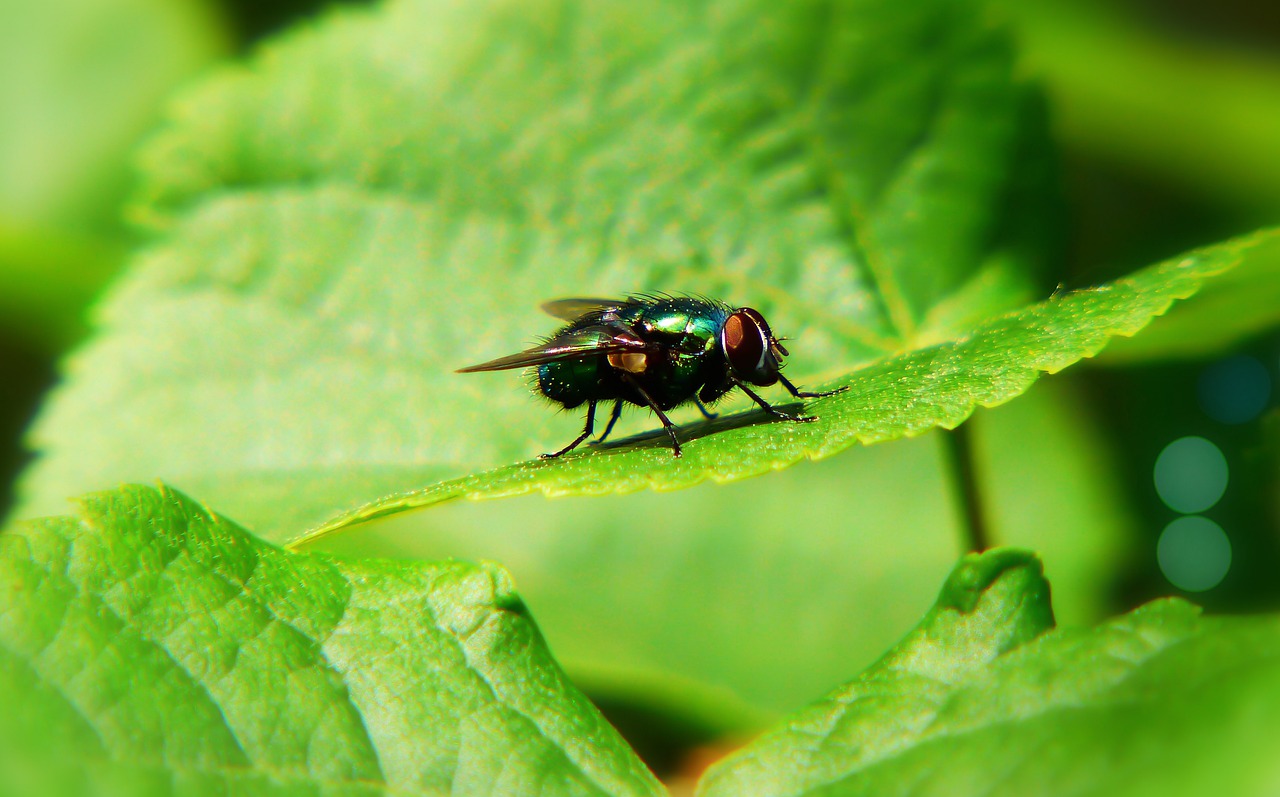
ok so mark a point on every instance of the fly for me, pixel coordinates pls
(655, 352)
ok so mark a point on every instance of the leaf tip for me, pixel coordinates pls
(504, 596)
(1005, 584)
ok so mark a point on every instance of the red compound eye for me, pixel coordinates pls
(748, 343)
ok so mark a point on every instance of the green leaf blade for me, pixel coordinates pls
(162, 642)
(1149, 703)
(902, 396)
(386, 196)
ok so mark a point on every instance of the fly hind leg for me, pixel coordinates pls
(586, 432)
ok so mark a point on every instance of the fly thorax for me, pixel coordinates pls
(674, 325)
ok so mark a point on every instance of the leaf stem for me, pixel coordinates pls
(958, 447)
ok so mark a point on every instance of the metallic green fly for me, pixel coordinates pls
(653, 351)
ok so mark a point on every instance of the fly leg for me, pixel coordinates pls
(617, 413)
(586, 432)
(805, 393)
(653, 405)
(772, 410)
(706, 413)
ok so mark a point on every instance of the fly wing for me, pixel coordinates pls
(566, 346)
(575, 308)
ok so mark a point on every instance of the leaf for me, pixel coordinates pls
(901, 396)
(744, 601)
(983, 699)
(1119, 87)
(1242, 303)
(147, 646)
(386, 196)
(84, 81)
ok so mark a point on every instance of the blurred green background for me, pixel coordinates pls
(1167, 118)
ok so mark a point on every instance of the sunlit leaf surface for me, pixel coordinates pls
(149, 647)
(388, 195)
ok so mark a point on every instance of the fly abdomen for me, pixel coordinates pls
(570, 382)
